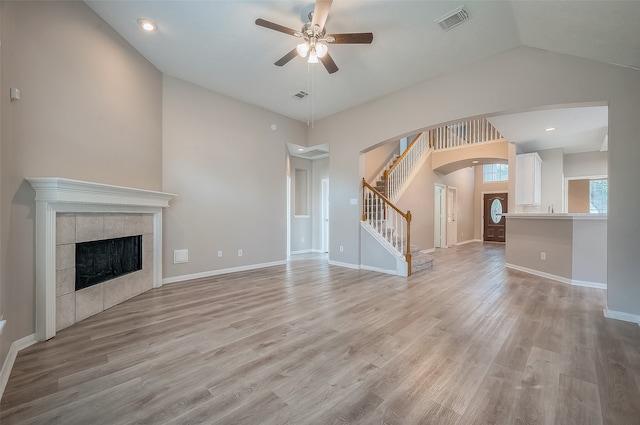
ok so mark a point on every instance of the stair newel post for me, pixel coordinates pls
(385, 192)
(385, 179)
(364, 200)
(408, 248)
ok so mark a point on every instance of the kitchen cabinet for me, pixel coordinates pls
(528, 179)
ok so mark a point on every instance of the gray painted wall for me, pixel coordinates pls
(229, 169)
(518, 80)
(586, 164)
(90, 110)
(552, 180)
(527, 238)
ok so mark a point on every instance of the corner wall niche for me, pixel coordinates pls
(72, 211)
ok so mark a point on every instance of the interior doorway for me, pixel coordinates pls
(440, 217)
(452, 216)
(325, 215)
(288, 216)
(494, 222)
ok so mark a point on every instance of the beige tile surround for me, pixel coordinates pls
(73, 306)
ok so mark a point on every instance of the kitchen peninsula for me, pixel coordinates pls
(570, 248)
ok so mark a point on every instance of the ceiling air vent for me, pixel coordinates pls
(453, 18)
(301, 94)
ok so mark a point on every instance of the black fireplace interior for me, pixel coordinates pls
(99, 261)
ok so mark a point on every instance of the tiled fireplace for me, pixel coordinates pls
(75, 305)
(70, 212)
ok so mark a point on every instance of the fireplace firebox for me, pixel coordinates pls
(99, 261)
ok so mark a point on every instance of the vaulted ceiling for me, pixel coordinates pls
(217, 45)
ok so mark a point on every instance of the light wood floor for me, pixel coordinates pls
(466, 343)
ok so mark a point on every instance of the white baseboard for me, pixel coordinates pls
(566, 280)
(468, 241)
(308, 251)
(619, 315)
(347, 265)
(379, 270)
(587, 284)
(221, 271)
(15, 347)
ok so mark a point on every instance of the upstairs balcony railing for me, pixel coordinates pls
(463, 133)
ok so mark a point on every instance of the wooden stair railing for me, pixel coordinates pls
(387, 220)
(399, 172)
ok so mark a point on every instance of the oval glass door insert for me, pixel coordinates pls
(496, 211)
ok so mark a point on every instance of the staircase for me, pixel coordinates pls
(420, 260)
(383, 220)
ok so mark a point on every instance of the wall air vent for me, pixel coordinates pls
(301, 94)
(453, 18)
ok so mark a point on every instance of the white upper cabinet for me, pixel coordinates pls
(528, 179)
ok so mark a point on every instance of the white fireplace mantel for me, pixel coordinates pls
(59, 195)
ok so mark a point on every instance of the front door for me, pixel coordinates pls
(495, 204)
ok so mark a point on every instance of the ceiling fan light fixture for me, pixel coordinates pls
(313, 56)
(302, 49)
(321, 49)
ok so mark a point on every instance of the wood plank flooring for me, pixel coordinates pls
(467, 342)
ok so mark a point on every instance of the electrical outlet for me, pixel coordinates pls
(219, 253)
(341, 248)
(239, 253)
(543, 255)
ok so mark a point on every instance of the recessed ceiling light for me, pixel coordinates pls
(300, 150)
(549, 129)
(147, 24)
(474, 162)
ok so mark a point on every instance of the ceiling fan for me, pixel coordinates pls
(315, 38)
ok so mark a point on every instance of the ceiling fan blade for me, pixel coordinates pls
(328, 63)
(276, 27)
(320, 13)
(355, 38)
(286, 58)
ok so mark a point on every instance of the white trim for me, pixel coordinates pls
(347, 265)
(307, 251)
(566, 280)
(379, 270)
(467, 241)
(385, 243)
(620, 315)
(56, 189)
(15, 347)
(211, 273)
(587, 284)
